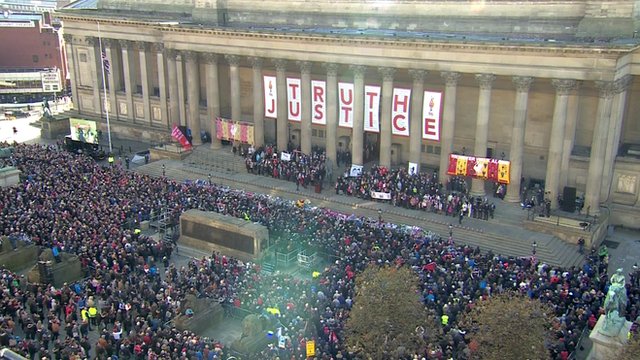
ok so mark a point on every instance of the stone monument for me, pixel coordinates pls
(49, 270)
(609, 335)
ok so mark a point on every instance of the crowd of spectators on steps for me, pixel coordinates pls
(304, 170)
(82, 208)
(419, 191)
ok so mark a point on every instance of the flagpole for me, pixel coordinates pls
(104, 89)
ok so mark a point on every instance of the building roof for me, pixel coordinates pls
(83, 5)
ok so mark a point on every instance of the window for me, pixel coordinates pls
(82, 57)
(35, 58)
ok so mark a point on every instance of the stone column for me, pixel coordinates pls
(234, 76)
(72, 63)
(213, 97)
(96, 74)
(182, 101)
(305, 91)
(193, 95)
(127, 63)
(332, 111)
(385, 116)
(569, 135)
(357, 138)
(482, 126)
(615, 128)
(552, 181)
(523, 84)
(606, 90)
(415, 126)
(174, 109)
(258, 102)
(162, 84)
(144, 79)
(282, 136)
(448, 121)
(113, 104)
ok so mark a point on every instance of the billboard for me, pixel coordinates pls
(83, 130)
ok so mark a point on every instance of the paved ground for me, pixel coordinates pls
(624, 244)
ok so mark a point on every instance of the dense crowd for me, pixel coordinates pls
(294, 166)
(419, 191)
(72, 203)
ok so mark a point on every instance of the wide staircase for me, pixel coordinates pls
(503, 235)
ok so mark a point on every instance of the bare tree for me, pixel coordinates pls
(388, 319)
(509, 326)
(631, 351)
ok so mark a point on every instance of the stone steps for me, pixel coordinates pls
(514, 241)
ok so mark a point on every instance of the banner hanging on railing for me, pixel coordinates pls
(481, 168)
(177, 134)
(234, 131)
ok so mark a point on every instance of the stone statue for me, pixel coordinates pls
(615, 304)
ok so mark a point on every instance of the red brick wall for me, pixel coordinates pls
(20, 47)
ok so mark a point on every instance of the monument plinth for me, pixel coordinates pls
(607, 345)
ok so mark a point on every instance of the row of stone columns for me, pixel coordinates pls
(612, 98)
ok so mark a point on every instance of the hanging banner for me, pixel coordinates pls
(234, 131)
(318, 102)
(178, 135)
(400, 111)
(431, 106)
(461, 166)
(372, 108)
(480, 168)
(294, 97)
(504, 167)
(270, 97)
(345, 103)
(492, 170)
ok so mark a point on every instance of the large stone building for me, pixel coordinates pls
(548, 85)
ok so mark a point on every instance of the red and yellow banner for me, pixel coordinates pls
(481, 168)
(234, 131)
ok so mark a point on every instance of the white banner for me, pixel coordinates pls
(413, 168)
(270, 97)
(372, 108)
(294, 95)
(356, 170)
(318, 102)
(431, 106)
(285, 156)
(380, 195)
(400, 111)
(345, 103)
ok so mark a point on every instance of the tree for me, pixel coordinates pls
(388, 319)
(631, 351)
(509, 326)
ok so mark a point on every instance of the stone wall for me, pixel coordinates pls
(517, 18)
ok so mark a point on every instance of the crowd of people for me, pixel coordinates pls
(72, 203)
(304, 170)
(419, 191)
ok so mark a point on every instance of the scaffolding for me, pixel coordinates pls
(164, 224)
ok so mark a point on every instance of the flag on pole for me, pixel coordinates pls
(105, 62)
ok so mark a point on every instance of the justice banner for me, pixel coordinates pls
(371, 102)
(234, 131)
(480, 168)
